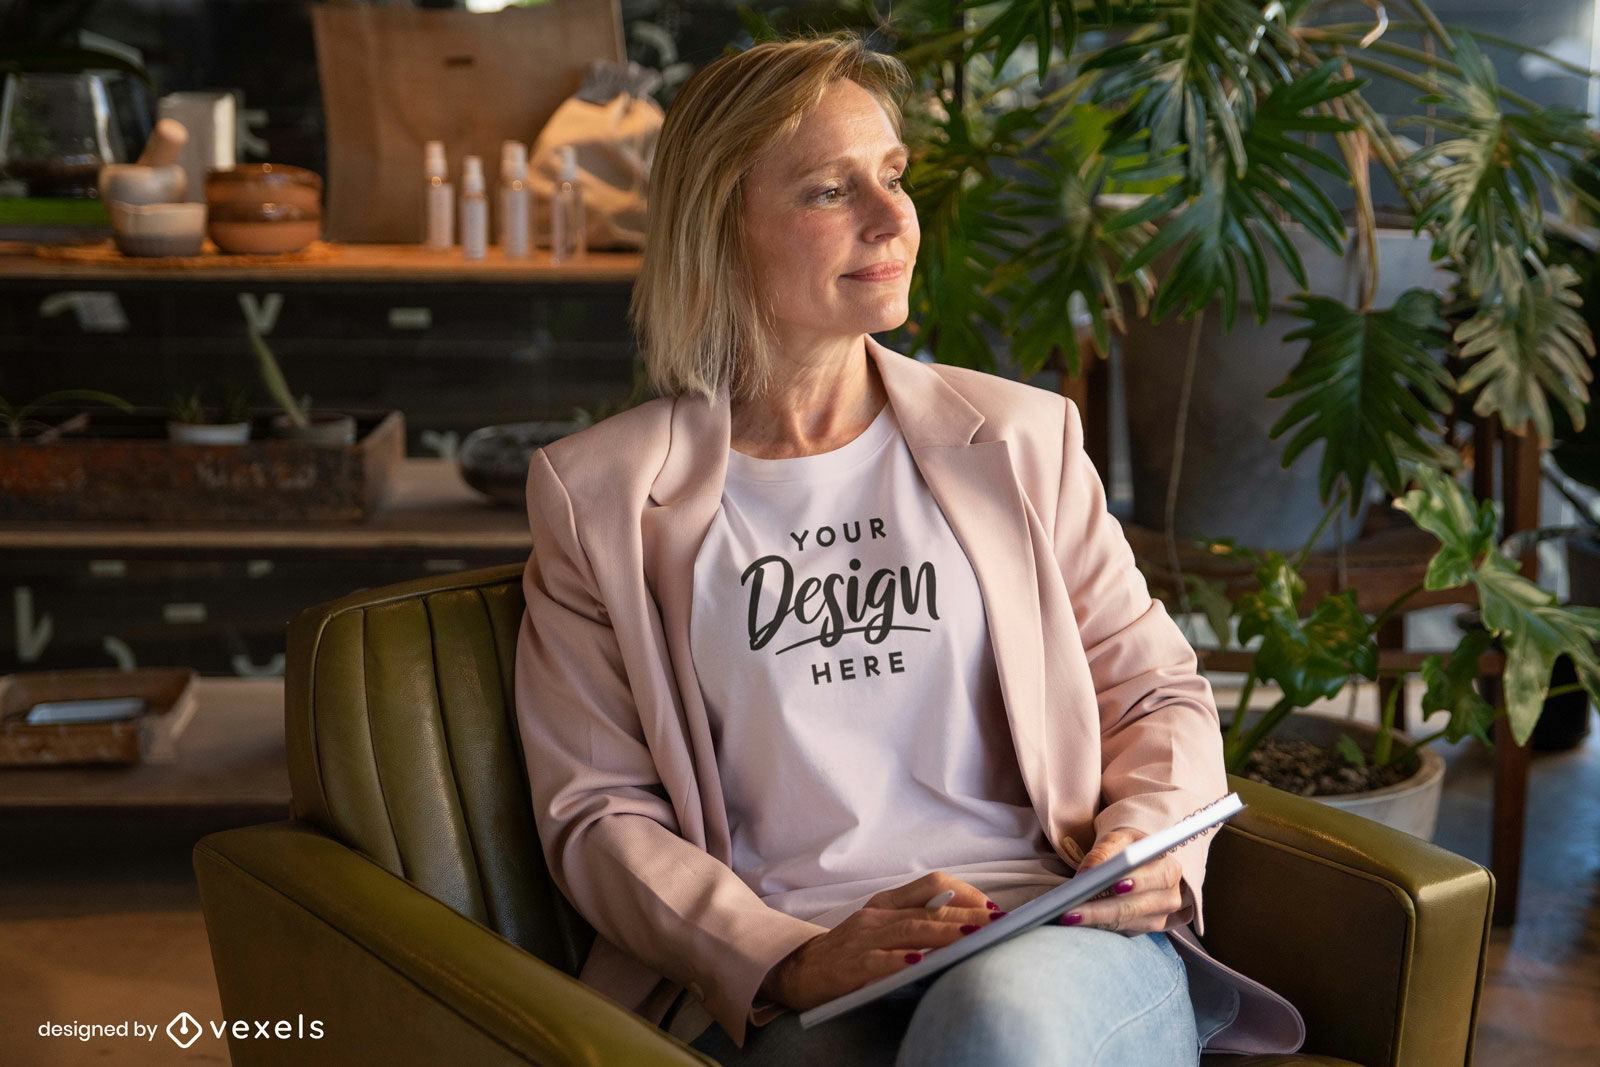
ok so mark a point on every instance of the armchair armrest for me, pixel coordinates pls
(1378, 937)
(300, 924)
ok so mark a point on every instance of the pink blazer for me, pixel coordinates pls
(1112, 724)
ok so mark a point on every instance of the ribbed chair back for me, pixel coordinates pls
(403, 743)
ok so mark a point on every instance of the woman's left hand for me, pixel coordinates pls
(1144, 902)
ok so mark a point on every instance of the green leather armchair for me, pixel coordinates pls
(406, 905)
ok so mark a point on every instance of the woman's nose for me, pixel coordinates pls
(889, 214)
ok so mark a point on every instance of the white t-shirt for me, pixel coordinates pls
(840, 641)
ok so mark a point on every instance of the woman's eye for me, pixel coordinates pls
(832, 194)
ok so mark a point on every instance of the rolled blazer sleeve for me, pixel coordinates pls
(1161, 745)
(609, 833)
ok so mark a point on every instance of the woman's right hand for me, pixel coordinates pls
(887, 934)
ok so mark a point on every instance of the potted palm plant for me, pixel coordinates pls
(1233, 121)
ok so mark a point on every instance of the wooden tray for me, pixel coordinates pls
(168, 693)
(123, 468)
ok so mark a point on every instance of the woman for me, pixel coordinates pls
(832, 656)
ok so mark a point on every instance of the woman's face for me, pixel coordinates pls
(831, 232)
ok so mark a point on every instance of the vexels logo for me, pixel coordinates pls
(184, 1029)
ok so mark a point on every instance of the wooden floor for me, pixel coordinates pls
(1541, 1004)
(100, 922)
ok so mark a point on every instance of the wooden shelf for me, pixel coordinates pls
(349, 263)
(428, 509)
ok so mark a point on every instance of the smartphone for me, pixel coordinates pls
(110, 709)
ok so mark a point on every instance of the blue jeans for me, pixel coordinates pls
(1054, 995)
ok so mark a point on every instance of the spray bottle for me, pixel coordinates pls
(474, 210)
(568, 236)
(440, 199)
(514, 199)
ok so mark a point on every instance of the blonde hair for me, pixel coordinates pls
(695, 309)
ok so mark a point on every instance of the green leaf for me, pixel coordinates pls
(1452, 688)
(1534, 630)
(1481, 187)
(1219, 213)
(1312, 660)
(1211, 597)
(1528, 346)
(1466, 528)
(1071, 263)
(1350, 751)
(1531, 627)
(1368, 387)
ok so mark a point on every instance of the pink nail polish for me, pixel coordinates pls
(1124, 886)
(1071, 918)
(969, 928)
(913, 957)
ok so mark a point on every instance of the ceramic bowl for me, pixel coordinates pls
(265, 183)
(158, 229)
(494, 459)
(263, 229)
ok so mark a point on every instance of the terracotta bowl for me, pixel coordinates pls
(264, 183)
(262, 229)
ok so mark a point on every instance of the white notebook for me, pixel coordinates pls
(1041, 909)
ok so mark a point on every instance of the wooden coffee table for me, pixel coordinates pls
(229, 760)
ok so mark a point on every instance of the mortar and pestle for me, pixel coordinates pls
(148, 217)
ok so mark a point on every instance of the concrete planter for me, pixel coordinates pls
(1232, 482)
(1411, 805)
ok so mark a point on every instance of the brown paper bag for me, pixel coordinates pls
(614, 141)
(394, 78)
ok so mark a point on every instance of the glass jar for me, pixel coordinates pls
(56, 132)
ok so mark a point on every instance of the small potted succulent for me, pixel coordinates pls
(297, 420)
(190, 421)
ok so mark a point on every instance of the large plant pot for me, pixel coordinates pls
(1411, 805)
(1566, 718)
(1232, 482)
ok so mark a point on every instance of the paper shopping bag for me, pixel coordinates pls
(394, 78)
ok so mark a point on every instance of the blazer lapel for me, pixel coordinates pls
(685, 497)
(975, 484)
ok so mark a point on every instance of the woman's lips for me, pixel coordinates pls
(886, 272)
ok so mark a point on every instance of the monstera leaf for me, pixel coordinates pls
(1368, 386)
(1527, 621)
(1485, 179)
(1528, 346)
